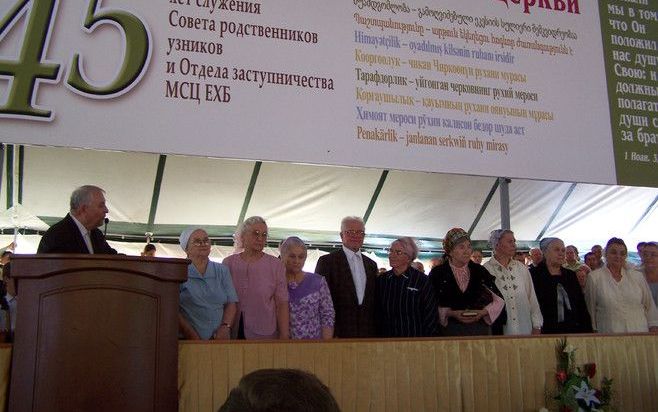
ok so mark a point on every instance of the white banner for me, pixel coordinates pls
(483, 87)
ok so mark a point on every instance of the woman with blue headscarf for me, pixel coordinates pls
(207, 298)
(560, 296)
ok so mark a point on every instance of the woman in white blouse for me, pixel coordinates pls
(514, 282)
(618, 297)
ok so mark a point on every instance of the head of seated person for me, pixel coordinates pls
(149, 250)
(274, 390)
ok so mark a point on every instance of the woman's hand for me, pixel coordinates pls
(186, 329)
(221, 333)
(191, 334)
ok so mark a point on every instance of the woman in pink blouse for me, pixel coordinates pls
(260, 282)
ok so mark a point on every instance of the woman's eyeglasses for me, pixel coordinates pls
(200, 242)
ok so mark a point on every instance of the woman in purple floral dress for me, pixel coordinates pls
(311, 309)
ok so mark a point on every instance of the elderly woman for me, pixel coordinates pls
(311, 309)
(260, 280)
(618, 297)
(514, 282)
(405, 300)
(560, 297)
(469, 301)
(207, 298)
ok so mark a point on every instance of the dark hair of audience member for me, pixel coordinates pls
(616, 241)
(279, 390)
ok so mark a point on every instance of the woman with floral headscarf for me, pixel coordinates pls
(469, 301)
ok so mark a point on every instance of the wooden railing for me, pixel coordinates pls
(486, 374)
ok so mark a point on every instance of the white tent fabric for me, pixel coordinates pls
(311, 200)
(18, 217)
(200, 191)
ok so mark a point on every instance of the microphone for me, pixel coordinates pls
(106, 220)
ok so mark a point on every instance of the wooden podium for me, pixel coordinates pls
(96, 333)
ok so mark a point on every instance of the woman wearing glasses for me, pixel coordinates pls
(207, 298)
(260, 281)
(405, 301)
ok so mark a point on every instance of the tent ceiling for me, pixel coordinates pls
(310, 200)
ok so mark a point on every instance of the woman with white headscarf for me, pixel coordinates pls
(207, 298)
(559, 295)
(514, 282)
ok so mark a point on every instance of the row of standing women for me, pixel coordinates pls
(253, 295)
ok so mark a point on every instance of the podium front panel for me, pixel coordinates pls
(101, 335)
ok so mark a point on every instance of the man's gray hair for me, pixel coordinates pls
(348, 219)
(82, 196)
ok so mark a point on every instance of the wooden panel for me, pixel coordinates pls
(487, 374)
(5, 362)
(96, 333)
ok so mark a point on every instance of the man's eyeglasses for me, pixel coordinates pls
(359, 233)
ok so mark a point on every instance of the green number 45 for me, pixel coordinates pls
(30, 68)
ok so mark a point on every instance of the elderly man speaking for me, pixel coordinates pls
(78, 231)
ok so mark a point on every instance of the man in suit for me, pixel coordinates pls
(351, 280)
(78, 231)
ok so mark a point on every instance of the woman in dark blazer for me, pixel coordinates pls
(469, 301)
(559, 294)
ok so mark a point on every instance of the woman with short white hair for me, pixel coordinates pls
(405, 301)
(260, 281)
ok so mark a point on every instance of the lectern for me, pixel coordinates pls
(96, 333)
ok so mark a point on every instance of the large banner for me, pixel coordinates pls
(517, 88)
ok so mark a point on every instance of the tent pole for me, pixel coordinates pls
(504, 202)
